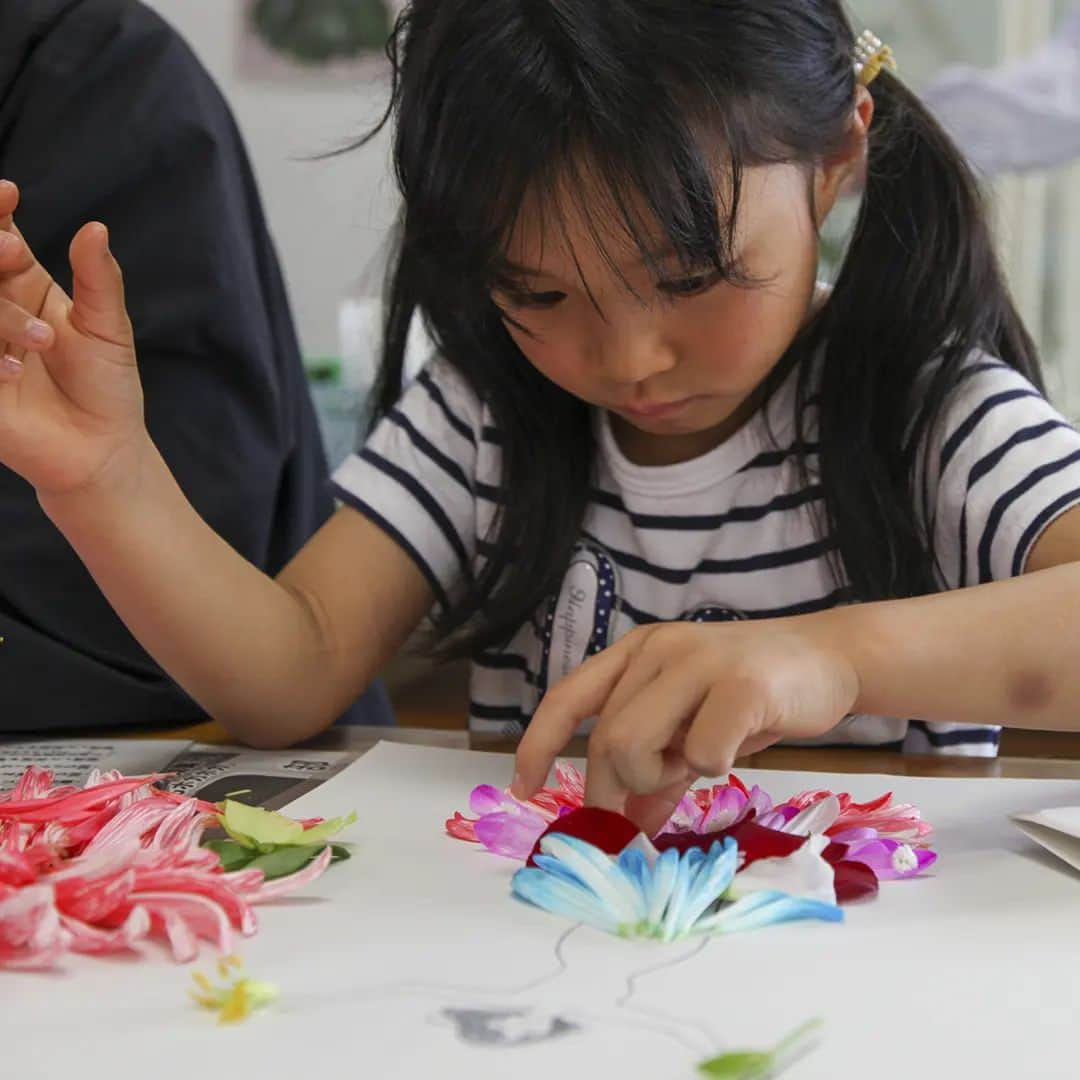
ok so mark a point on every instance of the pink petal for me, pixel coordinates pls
(16, 868)
(759, 802)
(71, 808)
(86, 938)
(185, 918)
(487, 799)
(728, 806)
(461, 828)
(853, 836)
(511, 834)
(131, 823)
(30, 932)
(213, 887)
(93, 901)
(881, 856)
(245, 881)
(571, 782)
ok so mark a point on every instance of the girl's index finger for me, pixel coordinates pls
(578, 696)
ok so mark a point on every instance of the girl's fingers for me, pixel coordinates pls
(9, 203)
(636, 739)
(22, 331)
(577, 697)
(726, 721)
(98, 305)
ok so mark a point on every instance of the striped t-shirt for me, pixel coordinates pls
(733, 534)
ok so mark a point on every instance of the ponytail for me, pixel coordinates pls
(921, 282)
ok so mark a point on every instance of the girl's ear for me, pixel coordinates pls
(844, 173)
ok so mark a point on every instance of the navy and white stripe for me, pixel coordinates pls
(736, 534)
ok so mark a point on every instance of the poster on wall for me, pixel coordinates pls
(314, 42)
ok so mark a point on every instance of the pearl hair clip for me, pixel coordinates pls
(871, 56)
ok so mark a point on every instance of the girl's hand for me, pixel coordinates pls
(676, 701)
(70, 398)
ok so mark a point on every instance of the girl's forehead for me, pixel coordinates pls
(563, 232)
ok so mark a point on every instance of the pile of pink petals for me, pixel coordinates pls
(99, 869)
(868, 842)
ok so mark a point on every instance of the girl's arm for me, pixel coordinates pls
(1007, 653)
(273, 661)
(678, 701)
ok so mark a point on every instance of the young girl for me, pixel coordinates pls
(643, 414)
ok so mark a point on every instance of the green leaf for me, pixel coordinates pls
(285, 860)
(339, 852)
(233, 856)
(319, 834)
(742, 1065)
(264, 830)
(756, 1064)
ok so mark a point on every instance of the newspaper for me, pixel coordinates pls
(268, 778)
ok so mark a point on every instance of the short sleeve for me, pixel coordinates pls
(416, 477)
(1003, 465)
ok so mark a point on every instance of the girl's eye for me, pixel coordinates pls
(523, 298)
(690, 286)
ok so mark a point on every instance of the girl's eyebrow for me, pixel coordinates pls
(662, 255)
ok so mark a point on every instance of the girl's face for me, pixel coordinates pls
(680, 364)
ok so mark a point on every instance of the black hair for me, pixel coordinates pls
(495, 100)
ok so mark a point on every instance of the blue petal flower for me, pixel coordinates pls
(764, 909)
(669, 899)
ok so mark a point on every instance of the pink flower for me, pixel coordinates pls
(508, 827)
(709, 810)
(871, 842)
(901, 821)
(100, 868)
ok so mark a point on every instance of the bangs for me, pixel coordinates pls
(672, 194)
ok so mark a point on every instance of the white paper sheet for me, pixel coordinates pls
(411, 960)
(1057, 830)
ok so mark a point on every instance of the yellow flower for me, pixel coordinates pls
(238, 998)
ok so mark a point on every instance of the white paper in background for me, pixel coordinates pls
(269, 778)
(71, 760)
(411, 960)
(1057, 830)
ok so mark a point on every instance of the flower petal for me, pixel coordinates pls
(804, 873)
(86, 938)
(600, 873)
(462, 828)
(487, 799)
(185, 918)
(513, 834)
(853, 881)
(712, 881)
(604, 829)
(816, 818)
(765, 909)
(557, 895)
(31, 935)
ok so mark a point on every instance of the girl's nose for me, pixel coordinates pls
(635, 353)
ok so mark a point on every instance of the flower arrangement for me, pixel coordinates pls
(730, 858)
(100, 868)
